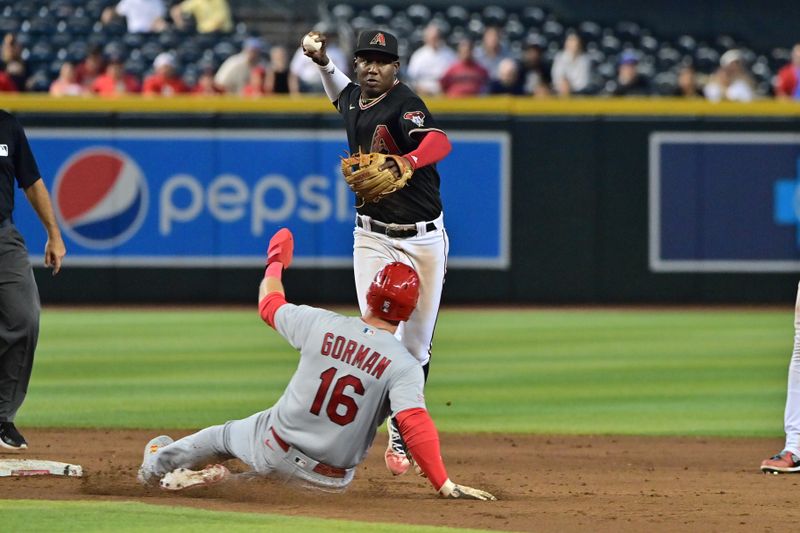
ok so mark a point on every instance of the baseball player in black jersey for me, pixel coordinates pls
(382, 114)
(19, 296)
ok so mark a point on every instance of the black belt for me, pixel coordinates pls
(5, 223)
(321, 468)
(392, 230)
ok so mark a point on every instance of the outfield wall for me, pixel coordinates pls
(607, 201)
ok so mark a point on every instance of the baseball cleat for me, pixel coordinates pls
(183, 478)
(396, 458)
(150, 449)
(11, 438)
(784, 463)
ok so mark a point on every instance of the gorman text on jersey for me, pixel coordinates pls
(355, 354)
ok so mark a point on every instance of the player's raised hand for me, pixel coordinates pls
(281, 248)
(451, 490)
(315, 46)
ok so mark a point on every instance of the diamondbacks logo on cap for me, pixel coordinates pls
(379, 39)
(100, 197)
(417, 117)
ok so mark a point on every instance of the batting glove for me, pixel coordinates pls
(281, 248)
(451, 490)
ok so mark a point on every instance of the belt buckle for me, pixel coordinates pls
(393, 229)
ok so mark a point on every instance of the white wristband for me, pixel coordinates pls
(333, 80)
(447, 488)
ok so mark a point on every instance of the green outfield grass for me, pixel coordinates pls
(86, 517)
(678, 372)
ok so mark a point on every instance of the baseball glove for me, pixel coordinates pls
(370, 175)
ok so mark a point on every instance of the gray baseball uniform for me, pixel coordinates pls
(349, 379)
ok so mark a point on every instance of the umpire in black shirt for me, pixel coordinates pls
(19, 296)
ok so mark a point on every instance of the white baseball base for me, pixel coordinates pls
(38, 467)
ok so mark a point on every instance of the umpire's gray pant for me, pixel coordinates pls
(19, 321)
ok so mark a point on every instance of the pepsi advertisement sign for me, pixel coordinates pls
(213, 198)
(724, 202)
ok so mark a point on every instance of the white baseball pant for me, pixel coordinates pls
(427, 254)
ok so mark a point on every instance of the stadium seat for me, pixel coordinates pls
(80, 24)
(476, 27)
(361, 23)
(342, 12)
(39, 81)
(494, 15)
(590, 31)
(418, 13)
(381, 14)
(533, 16)
(553, 30)
(42, 51)
(77, 50)
(514, 29)
(628, 31)
(610, 44)
(649, 44)
(9, 23)
(706, 59)
(667, 57)
(664, 83)
(686, 44)
(457, 15)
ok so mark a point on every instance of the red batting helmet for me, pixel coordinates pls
(393, 293)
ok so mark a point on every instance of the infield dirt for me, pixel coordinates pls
(544, 483)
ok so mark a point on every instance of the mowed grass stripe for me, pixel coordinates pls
(61, 516)
(654, 372)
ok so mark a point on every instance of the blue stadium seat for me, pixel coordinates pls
(80, 24)
(42, 51)
(39, 81)
(9, 23)
(664, 83)
(649, 44)
(77, 50)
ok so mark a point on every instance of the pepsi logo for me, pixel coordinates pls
(101, 197)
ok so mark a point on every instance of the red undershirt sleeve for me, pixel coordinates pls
(422, 440)
(433, 148)
(269, 305)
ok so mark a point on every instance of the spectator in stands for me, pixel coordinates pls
(255, 85)
(731, 81)
(491, 51)
(67, 82)
(629, 81)
(571, 67)
(787, 83)
(535, 73)
(141, 16)
(279, 79)
(205, 83)
(234, 73)
(7, 85)
(14, 64)
(465, 77)
(115, 81)
(688, 86)
(209, 15)
(429, 62)
(509, 80)
(91, 67)
(164, 81)
(307, 72)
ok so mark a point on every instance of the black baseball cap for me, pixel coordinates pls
(377, 41)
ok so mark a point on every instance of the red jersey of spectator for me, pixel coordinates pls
(7, 85)
(464, 79)
(115, 80)
(160, 84)
(786, 84)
